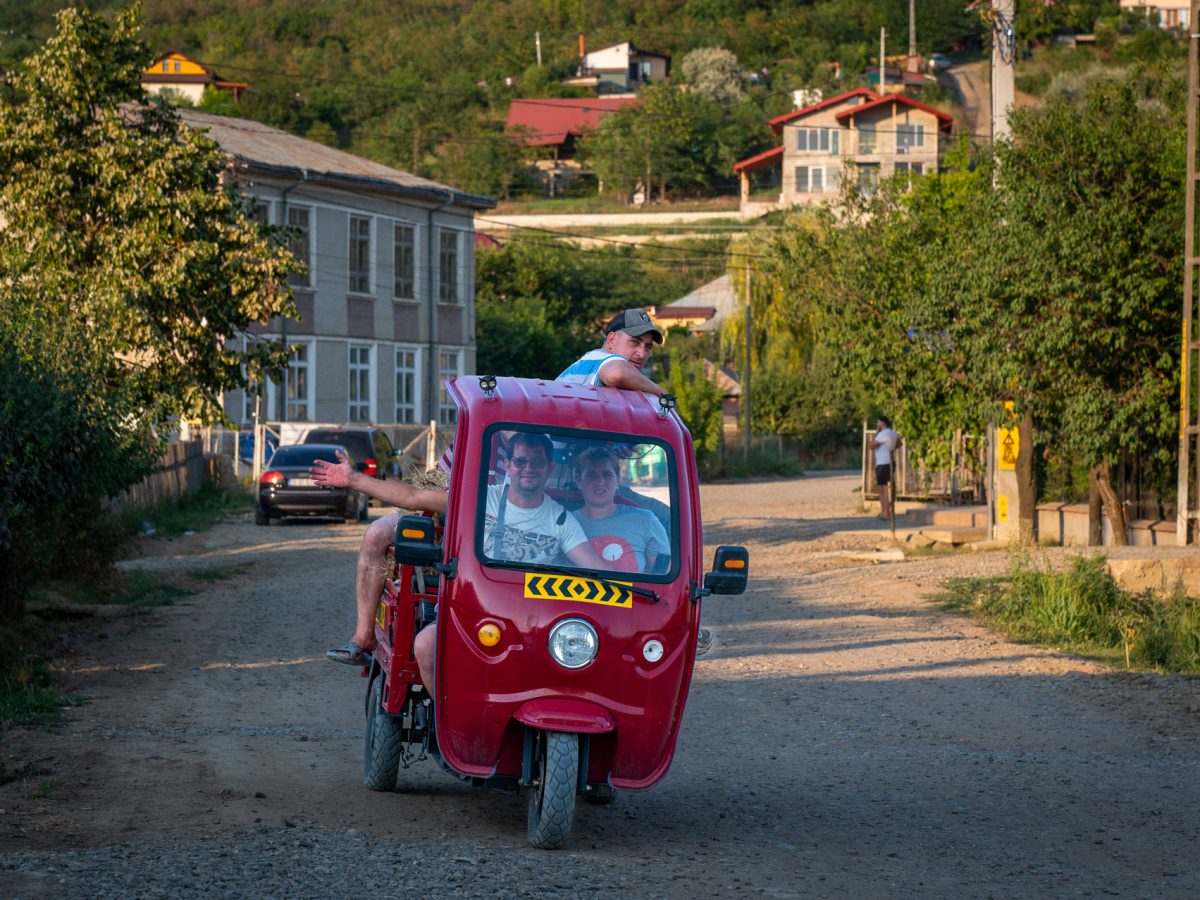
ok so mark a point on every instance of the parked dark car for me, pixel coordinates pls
(369, 448)
(286, 487)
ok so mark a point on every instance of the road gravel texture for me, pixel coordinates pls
(843, 738)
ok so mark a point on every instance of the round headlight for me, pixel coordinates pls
(573, 643)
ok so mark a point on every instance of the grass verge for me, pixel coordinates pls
(1082, 610)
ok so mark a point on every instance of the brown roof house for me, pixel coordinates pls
(859, 134)
(387, 305)
(175, 72)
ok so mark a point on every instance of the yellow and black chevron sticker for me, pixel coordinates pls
(583, 590)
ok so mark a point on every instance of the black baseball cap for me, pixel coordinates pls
(634, 322)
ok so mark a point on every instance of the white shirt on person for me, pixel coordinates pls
(886, 440)
(530, 535)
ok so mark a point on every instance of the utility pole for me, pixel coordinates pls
(1187, 503)
(1004, 49)
(746, 372)
(912, 36)
(882, 61)
(537, 39)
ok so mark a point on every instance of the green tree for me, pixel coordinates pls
(123, 246)
(699, 403)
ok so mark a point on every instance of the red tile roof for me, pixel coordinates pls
(944, 121)
(761, 161)
(778, 122)
(547, 121)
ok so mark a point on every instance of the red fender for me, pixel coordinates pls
(558, 714)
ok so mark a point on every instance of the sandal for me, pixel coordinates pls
(349, 653)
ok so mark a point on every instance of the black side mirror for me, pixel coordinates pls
(414, 542)
(730, 571)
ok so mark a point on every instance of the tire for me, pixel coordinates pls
(381, 744)
(552, 800)
(261, 517)
(350, 513)
(363, 505)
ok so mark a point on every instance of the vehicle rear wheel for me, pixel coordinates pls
(261, 517)
(552, 800)
(364, 504)
(382, 744)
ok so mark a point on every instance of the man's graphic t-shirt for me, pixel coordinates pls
(530, 535)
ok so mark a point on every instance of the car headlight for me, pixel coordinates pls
(573, 643)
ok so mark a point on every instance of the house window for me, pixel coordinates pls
(810, 179)
(262, 212)
(298, 384)
(866, 138)
(406, 385)
(176, 64)
(299, 243)
(360, 255)
(447, 368)
(448, 266)
(909, 138)
(404, 263)
(868, 177)
(359, 409)
(166, 65)
(817, 140)
(910, 168)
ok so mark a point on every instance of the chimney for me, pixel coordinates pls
(581, 53)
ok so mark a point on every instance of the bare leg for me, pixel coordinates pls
(423, 648)
(370, 574)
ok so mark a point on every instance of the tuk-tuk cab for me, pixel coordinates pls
(566, 583)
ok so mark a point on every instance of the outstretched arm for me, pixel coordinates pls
(621, 373)
(396, 493)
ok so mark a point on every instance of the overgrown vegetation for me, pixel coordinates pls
(1082, 610)
(126, 263)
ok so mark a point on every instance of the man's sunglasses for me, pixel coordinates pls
(534, 462)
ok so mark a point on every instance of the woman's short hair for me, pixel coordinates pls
(597, 454)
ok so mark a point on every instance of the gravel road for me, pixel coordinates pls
(843, 738)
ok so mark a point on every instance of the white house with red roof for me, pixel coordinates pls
(860, 134)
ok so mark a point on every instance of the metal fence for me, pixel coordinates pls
(962, 481)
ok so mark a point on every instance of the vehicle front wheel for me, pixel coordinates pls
(382, 744)
(552, 800)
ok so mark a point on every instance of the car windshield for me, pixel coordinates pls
(600, 503)
(302, 455)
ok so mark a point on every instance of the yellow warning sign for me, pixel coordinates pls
(582, 590)
(1010, 444)
(1001, 508)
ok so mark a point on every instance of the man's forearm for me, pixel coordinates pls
(629, 377)
(397, 493)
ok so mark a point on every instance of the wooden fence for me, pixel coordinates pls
(180, 472)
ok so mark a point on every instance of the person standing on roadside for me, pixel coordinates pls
(885, 443)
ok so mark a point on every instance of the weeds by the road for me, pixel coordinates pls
(1082, 610)
(204, 509)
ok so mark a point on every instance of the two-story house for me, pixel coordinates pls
(859, 134)
(175, 72)
(387, 305)
(1163, 13)
(619, 68)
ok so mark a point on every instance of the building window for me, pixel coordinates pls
(360, 255)
(448, 266)
(262, 212)
(166, 65)
(298, 384)
(406, 385)
(810, 180)
(176, 63)
(868, 178)
(817, 140)
(299, 243)
(866, 139)
(404, 263)
(909, 138)
(359, 409)
(910, 168)
(447, 368)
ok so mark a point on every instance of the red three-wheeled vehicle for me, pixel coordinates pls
(565, 582)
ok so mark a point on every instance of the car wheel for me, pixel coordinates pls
(552, 800)
(350, 513)
(261, 517)
(364, 504)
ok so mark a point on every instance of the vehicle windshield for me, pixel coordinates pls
(590, 501)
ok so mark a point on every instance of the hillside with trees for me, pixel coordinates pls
(425, 85)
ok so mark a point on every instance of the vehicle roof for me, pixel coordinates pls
(565, 405)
